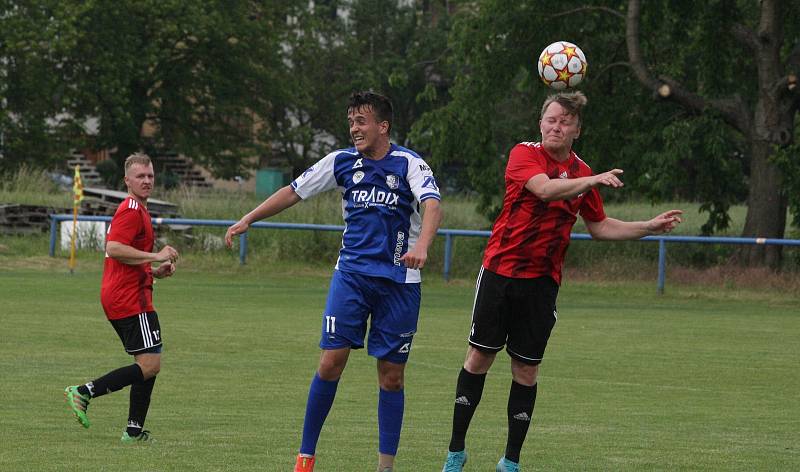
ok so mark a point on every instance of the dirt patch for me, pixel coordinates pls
(737, 277)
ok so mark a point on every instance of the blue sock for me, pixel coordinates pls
(320, 398)
(390, 420)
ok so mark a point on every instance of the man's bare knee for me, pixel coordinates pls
(477, 361)
(150, 365)
(332, 363)
(391, 376)
(524, 374)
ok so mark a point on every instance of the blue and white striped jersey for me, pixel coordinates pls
(380, 206)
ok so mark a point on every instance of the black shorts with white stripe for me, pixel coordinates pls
(516, 313)
(139, 333)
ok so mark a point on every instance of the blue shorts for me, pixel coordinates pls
(394, 307)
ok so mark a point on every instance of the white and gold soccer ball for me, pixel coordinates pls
(562, 65)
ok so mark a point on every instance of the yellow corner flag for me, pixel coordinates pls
(77, 186)
(77, 190)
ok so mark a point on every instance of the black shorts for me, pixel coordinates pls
(140, 333)
(516, 313)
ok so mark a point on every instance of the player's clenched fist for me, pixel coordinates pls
(164, 270)
(167, 254)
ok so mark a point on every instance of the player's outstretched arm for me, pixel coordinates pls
(613, 229)
(547, 189)
(416, 256)
(665, 222)
(274, 204)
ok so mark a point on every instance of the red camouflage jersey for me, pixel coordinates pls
(127, 290)
(531, 236)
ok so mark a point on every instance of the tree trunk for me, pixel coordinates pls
(769, 124)
(766, 209)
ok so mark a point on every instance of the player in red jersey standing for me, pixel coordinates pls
(547, 186)
(127, 299)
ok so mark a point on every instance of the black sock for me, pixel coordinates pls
(140, 402)
(468, 394)
(113, 381)
(520, 413)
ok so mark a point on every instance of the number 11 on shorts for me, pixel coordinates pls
(330, 324)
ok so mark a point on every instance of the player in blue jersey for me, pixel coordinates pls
(377, 275)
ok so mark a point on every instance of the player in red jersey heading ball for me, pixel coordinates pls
(547, 186)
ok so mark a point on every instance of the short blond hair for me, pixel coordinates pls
(137, 158)
(572, 102)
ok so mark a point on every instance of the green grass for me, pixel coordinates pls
(699, 379)
(32, 187)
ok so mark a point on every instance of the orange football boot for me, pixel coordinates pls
(304, 464)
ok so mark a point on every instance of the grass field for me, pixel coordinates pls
(694, 380)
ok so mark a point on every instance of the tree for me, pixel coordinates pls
(198, 72)
(31, 131)
(195, 73)
(338, 47)
(714, 145)
(493, 102)
(766, 120)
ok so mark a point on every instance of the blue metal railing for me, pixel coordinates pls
(449, 235)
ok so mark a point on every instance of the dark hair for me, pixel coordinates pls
(573, 103)
(380, 105)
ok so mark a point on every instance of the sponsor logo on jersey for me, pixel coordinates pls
(398, 248)
(373, 196)
(430, 183)
(563, 175)
(358, 164)
(308, 171)
(357, 177)
(392, 181)
(424, 168)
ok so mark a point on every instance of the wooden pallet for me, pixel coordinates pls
(100, 201)
(26, 219)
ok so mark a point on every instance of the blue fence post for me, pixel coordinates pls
(662, 265)
(53, 229)
(242, 248)
(448, 247)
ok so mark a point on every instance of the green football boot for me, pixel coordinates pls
(78, 404)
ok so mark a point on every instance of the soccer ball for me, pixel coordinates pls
(562, 65)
